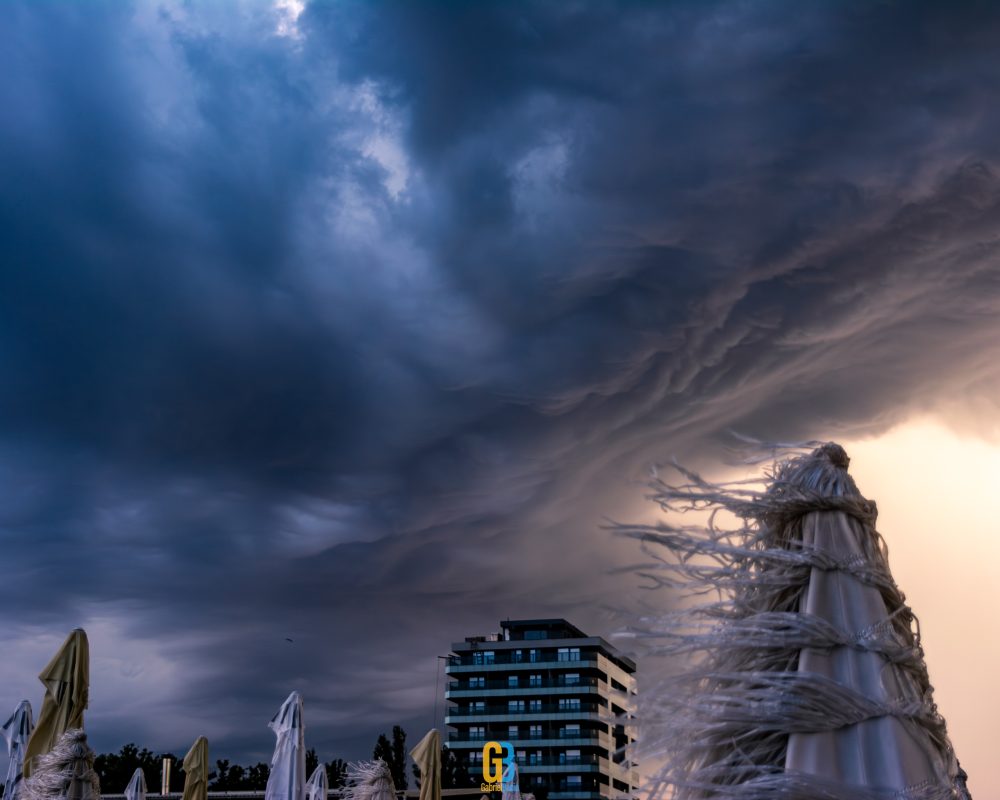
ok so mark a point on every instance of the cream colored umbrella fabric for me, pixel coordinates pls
(318, 786)
(427, 756)
(196, 771)
(67, 681)
(287, 778)
(807, 678)
(16, 732)
(136, 789)
(66, 772)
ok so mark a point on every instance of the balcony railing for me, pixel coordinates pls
(508, 657)
(545, 708)
(559, 682)
(590, 736)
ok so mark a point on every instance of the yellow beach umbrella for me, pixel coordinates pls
(427, 756)
(67, 680)
(196, 771)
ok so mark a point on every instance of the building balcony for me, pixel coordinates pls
(462, 741)
(544, 708)
(559, 682)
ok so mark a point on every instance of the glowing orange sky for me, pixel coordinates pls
(938, 496)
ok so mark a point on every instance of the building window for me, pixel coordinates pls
(477, 732)
(512, 681)
(535, 732)
(535, 706)
(571, 678)
(569, 654)
(533, 656)
(570, 731)
(534, 680)
(513, 732)
(517, 656)
(515, 706)
(477, 707)
(569, 757)
(574, 781)
(535, 757)
(521, 755)
(476, 757)
(477, 683)
(569, 703)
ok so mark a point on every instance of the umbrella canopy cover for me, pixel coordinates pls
(808, 677)
(427, 756)
(67, 680)
(16, 732)
(287, 779)
(66, 772)
(196, 771)
(136, 789)
(318, 786)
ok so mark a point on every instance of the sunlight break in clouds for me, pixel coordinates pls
(939, 507)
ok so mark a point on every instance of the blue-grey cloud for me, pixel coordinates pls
(350, 327)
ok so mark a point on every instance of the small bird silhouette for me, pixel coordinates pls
(287, 639)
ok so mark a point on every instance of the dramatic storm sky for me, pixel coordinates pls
(350, 322)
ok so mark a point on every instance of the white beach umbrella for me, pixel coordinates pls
(65, 772)
(318, 786)
(136, 789)
(510, 785)
(16, 732)
(809, 679)
(67, 681)
(368, 780)
(288, 764)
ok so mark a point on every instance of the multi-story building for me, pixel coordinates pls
(564, 700)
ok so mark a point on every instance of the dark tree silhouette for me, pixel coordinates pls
(312, 761)
(393, 754)
(115, 769)
(336, 771)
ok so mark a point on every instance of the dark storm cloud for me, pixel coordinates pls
(351, 328)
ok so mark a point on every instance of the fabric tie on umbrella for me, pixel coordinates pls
(16, 732)
(66, 772)
(136, 789)
(318, 787)
(427, 756)
(196, 771)
(67, 680)
(287, 778)
(808, 678)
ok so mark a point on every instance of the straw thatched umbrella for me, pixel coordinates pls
(318, 786)
(368, 780)
(16, 732)
(67, 680)
(287, 778)
(427, 756)
(196, 771)
(809, 679)
(65, 772)
(136, 789)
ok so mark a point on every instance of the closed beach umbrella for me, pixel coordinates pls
(287, 779)
(15, 732)
(318, 786)
(808, 678)
(65, 772)
(196, 771)
(67, 680)
(136, 789)
(368, 780)
(510, 785)
(427, 756)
